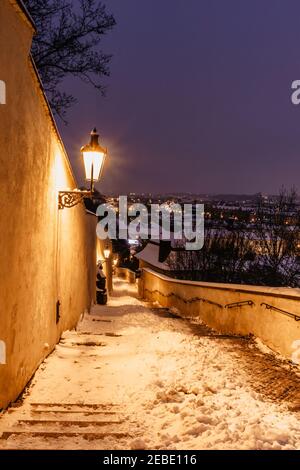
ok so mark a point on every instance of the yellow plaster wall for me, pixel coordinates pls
(45, 254)
(276, 330)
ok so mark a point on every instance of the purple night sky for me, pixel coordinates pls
(198, 99)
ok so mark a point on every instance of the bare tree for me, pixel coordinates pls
(224, 257)
(233, 252)
(265, 255)
(278, 233)
(67, 44)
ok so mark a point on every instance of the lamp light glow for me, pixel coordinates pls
(93, 158)
(93, 162)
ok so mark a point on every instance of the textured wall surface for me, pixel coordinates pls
(46, 255)
(126, 274)
(278, 331)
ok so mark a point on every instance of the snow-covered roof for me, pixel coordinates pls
(150, 255)
(90, 213)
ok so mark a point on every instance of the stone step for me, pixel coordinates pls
(28, 426)
(88, 343)
(27, 442)
(56, 412)
(86, 407)
(66, 423)
(92, 435)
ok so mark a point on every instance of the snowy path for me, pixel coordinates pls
(134, 376)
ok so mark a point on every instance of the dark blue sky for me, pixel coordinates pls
(198, 99)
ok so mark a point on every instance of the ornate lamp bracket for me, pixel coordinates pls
(72, 198)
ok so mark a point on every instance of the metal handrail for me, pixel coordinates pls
(279, 310)
(242, 303)
(186, 301)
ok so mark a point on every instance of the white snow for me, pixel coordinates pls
(296, 353)
(150, 254)
(265, 349)
(177, 387)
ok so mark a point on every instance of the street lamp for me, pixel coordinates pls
(106, 253)
(93, 158)
(108, 260)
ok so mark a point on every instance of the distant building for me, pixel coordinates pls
(159, 255)
(152, 257)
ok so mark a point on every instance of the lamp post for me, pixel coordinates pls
(109, 270)
(93, 158)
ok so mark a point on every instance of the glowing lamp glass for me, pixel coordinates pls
(93, 163)
(106, 253)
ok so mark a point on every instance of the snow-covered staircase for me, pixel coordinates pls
(43, 425)
(135, 376)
